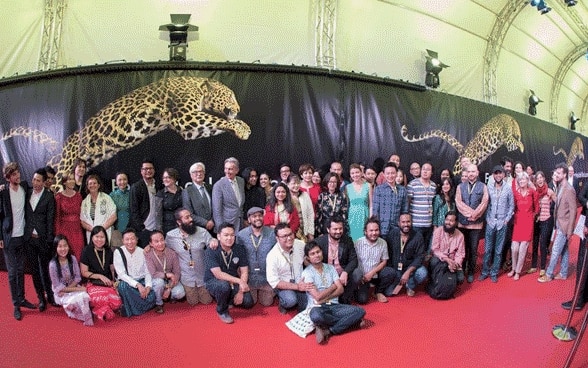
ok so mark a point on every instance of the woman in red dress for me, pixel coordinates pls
(68, 204)
(280, 209)
(526, 209)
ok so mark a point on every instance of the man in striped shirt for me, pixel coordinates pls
(420, 193)
(372, 256)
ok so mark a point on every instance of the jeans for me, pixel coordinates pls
(177, 292)
(493, 245)
(223, 293)
(337, 317)
(541, 238)
(560, 247)
(292, 298)
(415, 279)
(382, 282)
(353, 282)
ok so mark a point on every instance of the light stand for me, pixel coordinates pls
(178, 35)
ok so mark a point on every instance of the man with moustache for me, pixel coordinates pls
(499, 213)
(406, 248)
(189, 242)
(12, 217)
(339, 251)
(227, 273)
(448, 246)
(258, 240)
(471, 200)
(372, 255)
(285, 262)
(143, 204)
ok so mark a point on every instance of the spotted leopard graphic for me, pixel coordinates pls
(193, 107)
(576, 152)
(501, 130)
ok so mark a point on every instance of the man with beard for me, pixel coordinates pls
(372, 255)
(448, 246)
(339, 251)
(500, 211)
(258, 240)
(406, 248)
(471, 200)
(189, 242)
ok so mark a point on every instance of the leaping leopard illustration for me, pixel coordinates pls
(498, 131)
(194, 107)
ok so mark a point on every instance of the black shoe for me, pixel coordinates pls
(26, 304)
(54, 304)
(17, 313)
(568, 305)
(42, 306)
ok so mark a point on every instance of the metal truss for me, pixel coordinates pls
(494, 45)
(564, 67)
(324, 33)
(51, 39)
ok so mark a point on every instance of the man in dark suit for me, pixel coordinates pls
(142, 204)
(196, 198)
(38, 236)
(228, 196)
(339, 251)
(12, 216)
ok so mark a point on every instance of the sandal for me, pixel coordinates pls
(516, 276)
(511, 273)
(544, 278)
(532, 270)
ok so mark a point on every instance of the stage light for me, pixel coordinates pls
(573, 120)
(433, 67)
(541, 6)
(533, 102)
(570, 2)
(178, 35)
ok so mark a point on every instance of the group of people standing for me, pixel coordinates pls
(246, 240)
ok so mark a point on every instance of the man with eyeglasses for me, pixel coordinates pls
(189, 241)
(197, 198)
(142, 204)
(284, 264)
(285, 171)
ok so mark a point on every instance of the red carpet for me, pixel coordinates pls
(507, 324)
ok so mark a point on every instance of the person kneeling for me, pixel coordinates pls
(227, 272)
(164, 267)
(65, 281)
(134, 280)
(329, 317)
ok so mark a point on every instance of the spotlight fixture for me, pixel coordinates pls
(432, 68)
(178, 35)
(570, 2)
(533, 102)
(573, 120)
(541, 6)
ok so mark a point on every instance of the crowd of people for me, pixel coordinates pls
(310, 239)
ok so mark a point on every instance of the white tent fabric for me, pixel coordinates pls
(387, 38)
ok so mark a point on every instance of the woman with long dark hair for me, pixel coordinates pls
(65, 282)
(280, 209)
(443, 202)
(332, 201)
(97, 268)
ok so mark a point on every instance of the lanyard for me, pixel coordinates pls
(103, 258)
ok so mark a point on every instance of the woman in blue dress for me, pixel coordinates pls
(359, 193)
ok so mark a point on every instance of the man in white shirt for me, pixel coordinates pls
(284, 264)
(134, 280)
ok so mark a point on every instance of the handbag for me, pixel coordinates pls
(301, 324)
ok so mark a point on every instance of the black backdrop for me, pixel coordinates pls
(296, 115)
